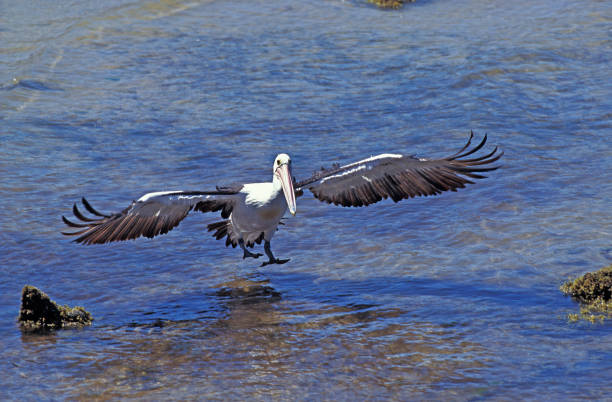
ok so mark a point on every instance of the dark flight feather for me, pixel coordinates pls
(157, 214)
(399, 176)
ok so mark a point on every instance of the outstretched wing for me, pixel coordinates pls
(398, 176)
(151, 215)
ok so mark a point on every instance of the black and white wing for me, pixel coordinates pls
(398, 176)
(151, 215)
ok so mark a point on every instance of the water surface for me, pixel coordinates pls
(452, 297)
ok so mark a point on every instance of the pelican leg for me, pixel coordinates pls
(271, 256)
(247, 253)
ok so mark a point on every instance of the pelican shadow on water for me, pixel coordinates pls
(247, 291)
(251, 212)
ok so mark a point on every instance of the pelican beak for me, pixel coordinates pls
(286, 180)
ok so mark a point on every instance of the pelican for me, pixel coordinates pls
(252, 212)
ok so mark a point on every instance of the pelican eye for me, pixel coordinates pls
(278, 162)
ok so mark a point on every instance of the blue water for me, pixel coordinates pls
(451, 297)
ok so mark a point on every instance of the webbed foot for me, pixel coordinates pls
(275, 261)
(247, 253)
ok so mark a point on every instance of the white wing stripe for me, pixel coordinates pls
(351, 171)
(373, 158)
(148, 196)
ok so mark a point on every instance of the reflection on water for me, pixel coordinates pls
(271, 347)
(245, 291)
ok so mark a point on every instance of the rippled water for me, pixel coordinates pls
(448, 297)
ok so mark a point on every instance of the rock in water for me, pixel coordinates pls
(394, 4)
(39, 312)
(593, 291)
(591, 286)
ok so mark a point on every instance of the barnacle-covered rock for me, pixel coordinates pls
(39, 312)
(394, 4)
(593, 291)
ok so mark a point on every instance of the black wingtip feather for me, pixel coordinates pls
(471, 151)
(91, 209)
(75, 233)
(464, 147)
(74, 225)
(80, 216)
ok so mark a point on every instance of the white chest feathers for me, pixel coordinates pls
(261, 194)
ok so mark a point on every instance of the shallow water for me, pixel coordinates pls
(448, 297)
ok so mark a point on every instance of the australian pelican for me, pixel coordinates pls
(253, 211)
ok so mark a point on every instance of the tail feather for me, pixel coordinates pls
(224, 229)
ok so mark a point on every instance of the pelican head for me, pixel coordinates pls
(282, 172)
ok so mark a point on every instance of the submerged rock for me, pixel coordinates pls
(39, 312)
(245, 291)
(395, 4)
(593, 291)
